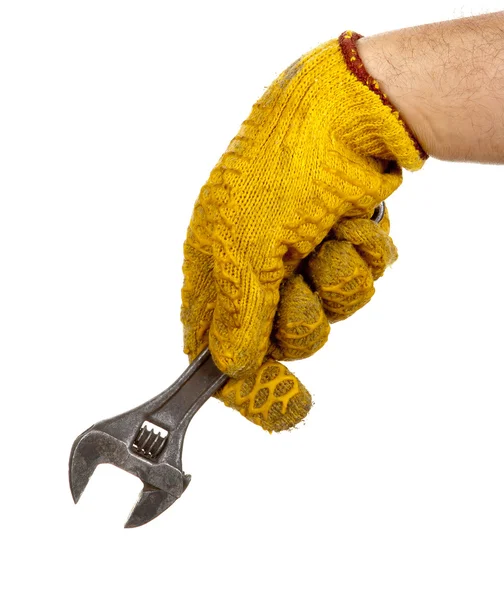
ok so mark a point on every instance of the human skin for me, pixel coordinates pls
(447, 81)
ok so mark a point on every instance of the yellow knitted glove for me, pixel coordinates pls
(319, 151)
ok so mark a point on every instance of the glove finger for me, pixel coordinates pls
(371, 240)
(272, 397)
(341, 278)
(198, 297)
(301, 326)
(243, 317)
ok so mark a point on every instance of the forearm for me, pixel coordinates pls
(447, 81)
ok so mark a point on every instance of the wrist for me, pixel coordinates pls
(381, 55)
(376, 127)
(445, 79)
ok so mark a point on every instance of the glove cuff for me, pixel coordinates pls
(397, 140)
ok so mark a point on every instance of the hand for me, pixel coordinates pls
(318, 153)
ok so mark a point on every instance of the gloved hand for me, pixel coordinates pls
(319, 152)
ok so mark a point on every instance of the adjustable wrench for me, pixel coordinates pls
(130, 441)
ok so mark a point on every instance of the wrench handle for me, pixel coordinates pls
(200, 380)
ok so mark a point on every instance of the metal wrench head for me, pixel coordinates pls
(163, 483)
(127, 442)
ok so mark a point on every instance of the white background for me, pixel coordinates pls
(112, 115)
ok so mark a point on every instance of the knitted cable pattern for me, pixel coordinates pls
(280, 242)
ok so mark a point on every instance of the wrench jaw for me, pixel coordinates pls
(94, 447)
(163, 483)
(84, 458)
(151, 503)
